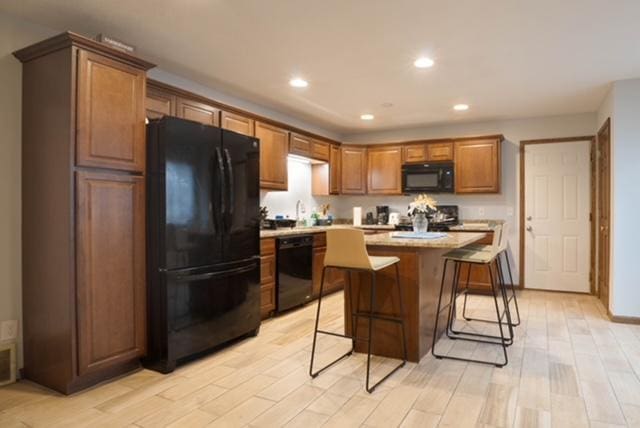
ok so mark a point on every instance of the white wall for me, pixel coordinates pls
(299, 189)
(503, 206)
(14, 34)
(623, 106)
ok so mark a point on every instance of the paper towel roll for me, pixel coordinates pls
(357, 216)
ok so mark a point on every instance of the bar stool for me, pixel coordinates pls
(503, 250)
(346, 250)
(488, 259)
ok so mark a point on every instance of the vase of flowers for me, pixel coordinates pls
(418, 210)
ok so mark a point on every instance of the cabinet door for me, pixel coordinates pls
(477, 166)
(440, 152)
(110, 256)
(110, 129)
(335, 170)
(300, 145)
(236, 123)
(320, 150)
(267, 269)
(274, 148)
(198, 112)
(415, 153)
(384, 171)
(267, 299)
(334, 278)
(353, 180)
(159, 103)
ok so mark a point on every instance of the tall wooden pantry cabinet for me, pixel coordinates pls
(83, 224)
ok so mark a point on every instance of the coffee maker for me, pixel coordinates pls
(382, 214)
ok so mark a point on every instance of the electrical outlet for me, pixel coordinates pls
(480, 212)
(8, 330)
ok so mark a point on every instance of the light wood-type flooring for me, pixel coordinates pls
(569, 367)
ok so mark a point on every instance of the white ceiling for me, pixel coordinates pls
(506, 58)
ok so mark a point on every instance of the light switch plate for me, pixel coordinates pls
(8, 330)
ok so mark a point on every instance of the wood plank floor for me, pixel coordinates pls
(569, 367)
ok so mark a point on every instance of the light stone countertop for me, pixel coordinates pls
(274, 233)
(451, 240)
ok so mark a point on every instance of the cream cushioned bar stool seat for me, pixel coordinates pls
(347, 250)
(487, 258)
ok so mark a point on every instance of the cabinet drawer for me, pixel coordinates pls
(320, 240)
(320, 150)
(267, 298)
(440, 152)
(267, 269)
(267, 246)
(414, 153)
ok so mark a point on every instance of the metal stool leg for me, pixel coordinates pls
(372, 315)
(316, 331)
(513, 290)
(501, 340)
(438, 310)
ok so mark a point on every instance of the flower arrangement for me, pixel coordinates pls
(422, 204)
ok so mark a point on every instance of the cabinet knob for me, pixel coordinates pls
(529, 218)
(529, 228)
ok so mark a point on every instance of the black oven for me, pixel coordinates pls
(428, 178)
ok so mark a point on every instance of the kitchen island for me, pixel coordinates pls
(421, 266)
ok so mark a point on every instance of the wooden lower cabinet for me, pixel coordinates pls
(267, 276)
(334, 278)
(111, 288)
(479, 279)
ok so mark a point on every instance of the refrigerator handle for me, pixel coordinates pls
(231, 200)
(223, 180)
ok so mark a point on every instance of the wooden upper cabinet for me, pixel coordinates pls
(414, 153)
(440, 152)
(237, 123)
(300, 145)
(384, 170)
(320, 150)
(110, 285)
(198, 112)
(110, 130)
(477, 166)
(159, 103)
(335, 170)
(274, 148)
(353, 177)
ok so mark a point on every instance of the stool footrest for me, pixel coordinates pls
(344, 336)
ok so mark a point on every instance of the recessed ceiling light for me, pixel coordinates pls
(461, 107)
(423, 62)
(366, 116)
(298, 82)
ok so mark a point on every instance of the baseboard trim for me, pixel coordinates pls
(622, 319)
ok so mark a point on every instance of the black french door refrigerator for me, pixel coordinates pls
(203, 239)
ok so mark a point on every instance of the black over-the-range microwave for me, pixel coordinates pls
(428, 178)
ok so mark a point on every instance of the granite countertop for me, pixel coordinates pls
(274, 233)
(451, 240)
(476, 225)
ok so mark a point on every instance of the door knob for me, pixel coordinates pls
(529, 218)
(529, 228)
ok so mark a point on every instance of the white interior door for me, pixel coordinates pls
(557, 204)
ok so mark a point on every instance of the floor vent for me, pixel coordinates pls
(7, 363)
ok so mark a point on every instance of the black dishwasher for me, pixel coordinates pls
(294, 268)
